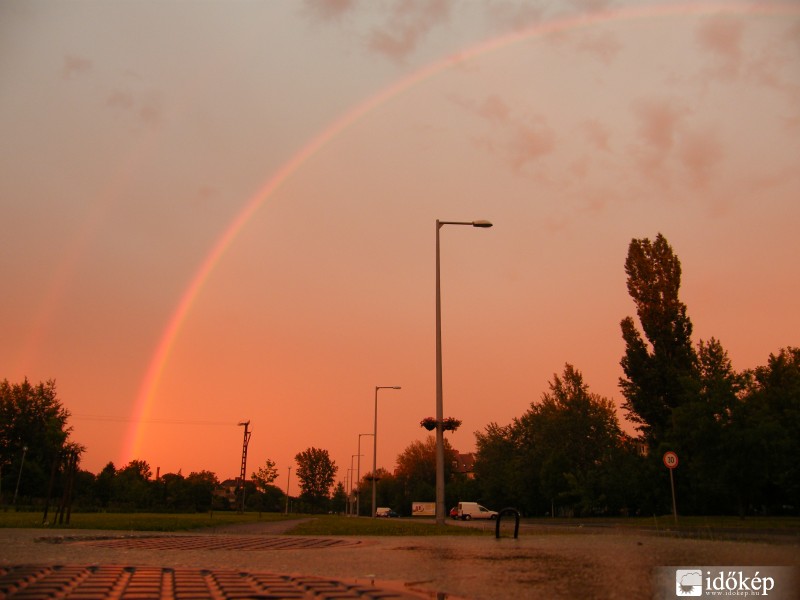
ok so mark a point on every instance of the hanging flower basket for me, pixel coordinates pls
(451, 424)
(448, 424)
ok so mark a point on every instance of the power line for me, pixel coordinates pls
(111, 418)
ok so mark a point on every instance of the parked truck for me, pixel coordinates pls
(423, 509)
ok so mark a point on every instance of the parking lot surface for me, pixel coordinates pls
(253, 563)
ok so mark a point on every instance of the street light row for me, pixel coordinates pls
(440, 488)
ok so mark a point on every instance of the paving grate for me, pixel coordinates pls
(94, 582)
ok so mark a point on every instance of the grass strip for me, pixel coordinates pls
(366, 526)
(137, 521)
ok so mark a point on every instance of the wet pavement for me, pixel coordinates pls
(266, 563)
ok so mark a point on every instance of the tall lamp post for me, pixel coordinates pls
(19, 477)
(358, 474)
(287, 488)
(440, 514)
(350, 503)
(375, 442)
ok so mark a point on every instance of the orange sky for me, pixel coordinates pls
(324, 139)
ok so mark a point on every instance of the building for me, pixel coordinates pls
(465, 464)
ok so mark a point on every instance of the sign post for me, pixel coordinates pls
(671, 462)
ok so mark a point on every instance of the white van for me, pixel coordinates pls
(473, 510)
(384, 511)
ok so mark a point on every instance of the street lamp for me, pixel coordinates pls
(358, 474)
(19, 477)
(350, 493)
(440, 514)
(287, 488)
(375, 441)
(347, 482)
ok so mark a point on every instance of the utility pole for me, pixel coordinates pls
(287, 488)
(243, 474)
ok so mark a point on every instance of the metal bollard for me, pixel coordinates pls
(507, 511)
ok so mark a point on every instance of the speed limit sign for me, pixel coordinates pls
(670, 460)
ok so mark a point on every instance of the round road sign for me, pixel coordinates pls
(670, 459)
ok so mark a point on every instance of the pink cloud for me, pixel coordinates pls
(329, 9)
(76, 65)
(530, 143)
(590, 5)
(519, 142)
(722, 37)
(410, 21)
(699, 152)
(494, 109)
(120, 99)
(605, 46)
(597, 134)
(659, 122)
(148, 108)
(512, 15)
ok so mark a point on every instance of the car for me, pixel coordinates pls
(473, 510)
(385, 511)
(454, 512)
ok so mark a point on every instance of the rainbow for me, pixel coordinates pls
(160, 357)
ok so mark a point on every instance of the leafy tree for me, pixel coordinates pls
(201, 486)
(766, 436)
(661, 368)
(497, 468)
(565, 450)
(131, 485)
(339, 499)
(85, 487)
(700, 431)
(316, 472)
(33, 423)
(571, 472)
(416, 472)
(265, 475)
(104, 484)
(269, 499)
(138, 469)
(386, 491)
(173, 492)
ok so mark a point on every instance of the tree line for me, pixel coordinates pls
(736, 433)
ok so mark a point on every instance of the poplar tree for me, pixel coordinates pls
(661, 371)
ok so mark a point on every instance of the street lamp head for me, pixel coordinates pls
(481, 223)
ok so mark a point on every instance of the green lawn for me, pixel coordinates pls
(136, 521)
(365, 526)
(310, 525)
(684, 522)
